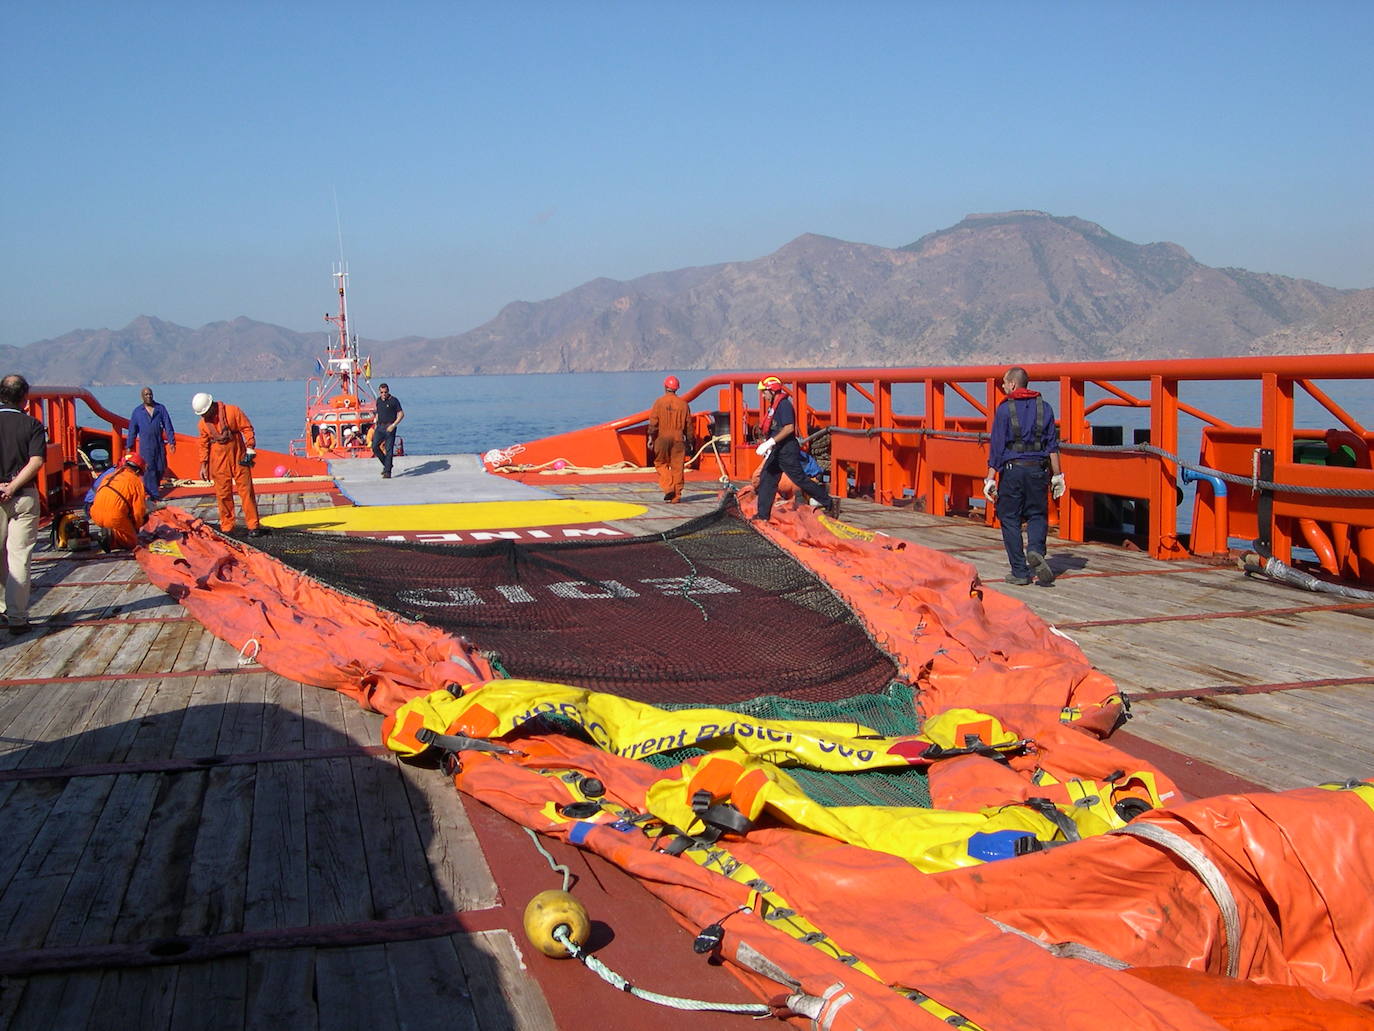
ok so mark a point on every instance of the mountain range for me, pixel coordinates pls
(1021, 286)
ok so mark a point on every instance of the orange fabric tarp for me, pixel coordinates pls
(963, 644)
(1299, 863)
(928, 932)
(295, 626)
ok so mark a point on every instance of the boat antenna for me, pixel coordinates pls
(348, 341)
(338, 223)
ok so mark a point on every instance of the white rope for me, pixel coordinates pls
(753, 1009)
(561, 935)
(1210, 876)
(244, 658)
(1067, 950)
(557, 866)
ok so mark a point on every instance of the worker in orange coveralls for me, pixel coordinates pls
(668, 439)
(120, 504)
(226, 458)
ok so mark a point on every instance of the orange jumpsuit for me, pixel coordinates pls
(225, 433)
(668, 427)
(121, 505)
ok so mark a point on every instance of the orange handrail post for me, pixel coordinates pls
(937, 421)
(1163, 495)
(886, 474)
(1276, 434)
(1073, 429)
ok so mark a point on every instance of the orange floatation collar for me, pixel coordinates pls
(853, 936)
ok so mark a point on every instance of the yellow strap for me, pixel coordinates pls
(773, 909)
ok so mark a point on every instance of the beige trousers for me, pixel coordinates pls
(18, 534)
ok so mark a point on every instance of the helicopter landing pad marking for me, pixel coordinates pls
(379, 520)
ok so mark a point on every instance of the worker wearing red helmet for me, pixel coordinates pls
(781, 451)
(227, 452)
(120, 504)
(668, 439)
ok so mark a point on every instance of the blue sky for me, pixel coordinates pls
(182, 159)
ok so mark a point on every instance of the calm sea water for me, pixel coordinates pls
(472, 414)
(445, 415)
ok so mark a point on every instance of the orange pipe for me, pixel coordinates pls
(1318, 541)
(1356, 443)
(1364, 548)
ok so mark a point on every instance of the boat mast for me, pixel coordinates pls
(347, 349)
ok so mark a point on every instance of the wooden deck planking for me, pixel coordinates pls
(94, 896)
(456, 862)
(50, 858)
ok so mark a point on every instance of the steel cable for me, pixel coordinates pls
(1253, 482)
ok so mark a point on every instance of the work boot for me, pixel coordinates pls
(668, 496)
(1043, 572)
(833, 509)
(260, 531)
(1019, 581)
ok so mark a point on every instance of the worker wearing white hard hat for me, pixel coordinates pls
(227, 454)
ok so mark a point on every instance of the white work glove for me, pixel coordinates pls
(766, 448)
(1057, 486)
(990, 489)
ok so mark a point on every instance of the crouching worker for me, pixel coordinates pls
(120, 504)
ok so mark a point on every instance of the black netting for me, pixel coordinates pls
(711, 612)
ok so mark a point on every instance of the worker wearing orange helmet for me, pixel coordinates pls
(227, 454)
(120, 503)
(668, 439)
(781, 451)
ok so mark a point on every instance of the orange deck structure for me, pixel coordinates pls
(935, 449)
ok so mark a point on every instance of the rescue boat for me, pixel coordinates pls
(340, 404)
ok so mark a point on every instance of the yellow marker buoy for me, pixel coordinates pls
(550, 910)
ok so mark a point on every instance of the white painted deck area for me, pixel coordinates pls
(426, 479)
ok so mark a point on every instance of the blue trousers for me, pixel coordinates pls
(786, 458)
(1023, 497)
(383, 445)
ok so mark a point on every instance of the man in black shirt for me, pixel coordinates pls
(22, 445)
(389, 416)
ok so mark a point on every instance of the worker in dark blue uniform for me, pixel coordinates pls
(781, 451)
(389, 416)
(1023, 468)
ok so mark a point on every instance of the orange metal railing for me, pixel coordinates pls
(920, 434)
(75, 452)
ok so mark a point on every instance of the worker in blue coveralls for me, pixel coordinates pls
(150, 427)
(1023, 468)
(781, 451)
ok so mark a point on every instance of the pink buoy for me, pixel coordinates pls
(560, 464)
(279, 471)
